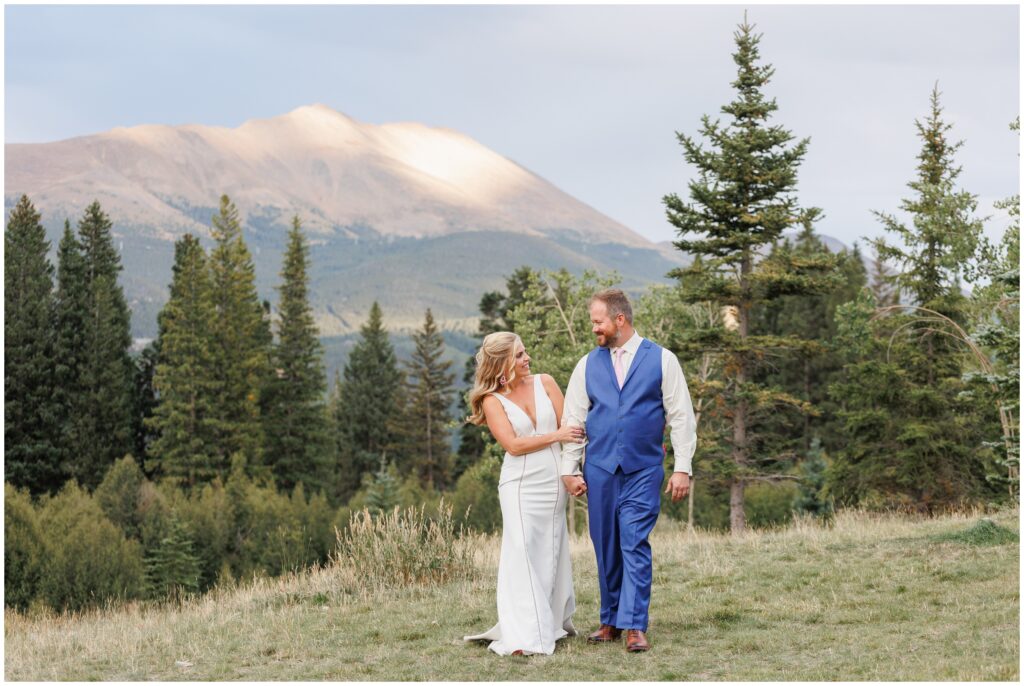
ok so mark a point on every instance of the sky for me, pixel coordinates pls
(588, 97)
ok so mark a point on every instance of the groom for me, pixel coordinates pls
(623, 391)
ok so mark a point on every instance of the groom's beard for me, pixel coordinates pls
(610, 341)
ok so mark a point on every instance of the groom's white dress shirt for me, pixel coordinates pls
(675, 398)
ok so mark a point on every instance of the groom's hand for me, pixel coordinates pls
(678, 485)
(574, 484)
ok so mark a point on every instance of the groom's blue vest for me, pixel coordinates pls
(625, 427)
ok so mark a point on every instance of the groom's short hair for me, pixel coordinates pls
(616, 302)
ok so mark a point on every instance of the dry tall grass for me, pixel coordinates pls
(405, 548)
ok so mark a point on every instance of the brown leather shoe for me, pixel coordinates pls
(606, 634)
(636, 641)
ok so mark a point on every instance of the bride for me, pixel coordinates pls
(523, 412)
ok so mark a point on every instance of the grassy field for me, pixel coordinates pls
(871, 598)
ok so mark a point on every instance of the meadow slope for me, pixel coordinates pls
(875, 597)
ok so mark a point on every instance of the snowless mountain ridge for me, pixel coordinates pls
(337, 174)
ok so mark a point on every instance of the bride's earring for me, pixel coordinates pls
(502, 380)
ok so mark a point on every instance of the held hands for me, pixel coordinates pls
(575, 484)
(570, 434)
(678, 485)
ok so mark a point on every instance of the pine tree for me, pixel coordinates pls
(296, 444)
(368, 398)
(912, 437)
(1000, 385)
(743, 198)
(31, 452)
(945, 235)
(472, 438)
(381, 489)
(996, 327)
(171, 566)
(241, 340)
(145, 401)
(105, 417)
(811, 498)
(808, 317)
(882, 276)
(345, 476)
(185, 419)
(70, 305)
(422, 429)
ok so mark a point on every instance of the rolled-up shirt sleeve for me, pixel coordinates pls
(574, 413)
(678, 412)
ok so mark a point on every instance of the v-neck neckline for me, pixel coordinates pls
(533, 422)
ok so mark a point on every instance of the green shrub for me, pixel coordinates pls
(273, 533)
(982, 532)
(770, 504)
(316, 516)
(475, 498)
(118, 495)
(88, 559)
(413, 493)
(24, 549)
(155, 512)
(811, 497)
(210, 518)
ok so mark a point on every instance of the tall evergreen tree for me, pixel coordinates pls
(422, 428)
(345, 475)
(996, 327)
(912, 438)
(882, 278)
(145, 401)
(945, 234)
(241, 340)
(31, 451)
(743, 198)
(185, 419)
(105, 417)
(368, 403)
(296, 445)
(809, 317)
(70, 305)
(472, 438)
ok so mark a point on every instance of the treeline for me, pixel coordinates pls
(224, 454)
(223, 384)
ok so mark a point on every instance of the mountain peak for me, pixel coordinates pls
(403, 179)
(318, 112)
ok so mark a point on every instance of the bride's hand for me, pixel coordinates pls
(570, 434)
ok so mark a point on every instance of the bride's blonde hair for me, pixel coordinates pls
(495, 359)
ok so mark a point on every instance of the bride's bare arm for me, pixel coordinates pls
(501, 429)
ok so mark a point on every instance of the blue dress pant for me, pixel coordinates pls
(623, 509)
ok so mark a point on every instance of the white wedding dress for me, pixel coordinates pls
(535, 593)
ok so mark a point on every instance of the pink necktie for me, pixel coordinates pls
(619, 374)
